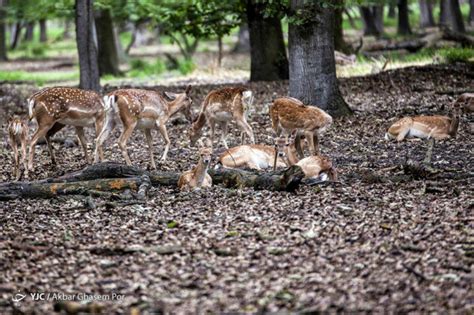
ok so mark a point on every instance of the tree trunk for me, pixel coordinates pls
(108, 56)
(312, 65)
(3, 31)
(403, 18)
(89, 69)
(67, 29)
(453, 16)
(443, 12)
(378, 12)
(267, 48)
(16, 35)
(339, 42)
(30, 31)
(43, 31)
(243, 42)
(368, 18)
(426, 13)
(470, 19)
(392, 13)
(219, 51)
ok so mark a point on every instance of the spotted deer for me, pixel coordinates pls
(57, 107)
(198, 176)
(18, 136)
(145, 110)
(289, 114)
(220, 107)
(426, 127)
(467, 102)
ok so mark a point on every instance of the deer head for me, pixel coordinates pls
(182, 102)
(205, 151)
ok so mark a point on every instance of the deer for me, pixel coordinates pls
(145, 110)
(254, 156)
(198, 176)
(18, 136)
(57, 107)
(315, 167)
(433, 128)
(220, 107)
(289, 114)
(467, 102)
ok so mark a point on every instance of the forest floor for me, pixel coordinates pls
(369, 242)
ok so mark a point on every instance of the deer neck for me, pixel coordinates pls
(453, 127)
(291, 155)
(174, 106)
(200, 172)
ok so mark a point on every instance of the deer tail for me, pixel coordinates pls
(109, 101)
(31, 108)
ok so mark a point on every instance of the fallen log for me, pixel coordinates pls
(114, 177)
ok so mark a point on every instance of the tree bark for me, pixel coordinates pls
(67, 29)
(403, 18)
(368, 18)
(339, 42)
(426, 13)
(470, 19)
(43, 31)
(243, 41)
(451, 16)
(3, 31)
(107, 54)
(379, 15)
(89, 69)
(392, 13)
(29, 33)
(16, 35)
(267, 48)
(312, 64)
(219, 51)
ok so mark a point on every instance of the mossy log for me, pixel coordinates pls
(113, 177)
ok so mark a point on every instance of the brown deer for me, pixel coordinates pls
(18, 135)
(220, 107)
(198, 176)
(289, 114)
(145, 110)
(426, 127)
(467, 102)
(54, 108)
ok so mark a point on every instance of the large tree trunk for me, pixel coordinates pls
(30, 31)
(3, 31)
(392, 13)
(426, 13)
(369, 19)
(108, 56)
(403, 18)
(312, 65)
(470, 19)
(43, 31)
(268, 54)
(451, 16)
(243, 41)
(339, 42)
(16, 32)
(89, 69)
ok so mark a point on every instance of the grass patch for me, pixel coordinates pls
(453, 55)
(40, 78)
(140, 68)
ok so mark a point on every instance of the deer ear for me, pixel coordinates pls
(200, 144)
(188, 89)
(171, 96)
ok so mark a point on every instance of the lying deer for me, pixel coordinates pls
(198, 176)
(467, 102)
(54, 108)
(289, 114)
(426, 127)
(18, 135)
(220, 107)
(145, 110)
(254, 156)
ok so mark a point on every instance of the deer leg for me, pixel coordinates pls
(126, 133)
(103, 134)
(310, 137)
(212, 126)
(245, 127)
(403, 133)
(224, 134)
(51, 132)
(149, 140)
(98, 152)
(83, 141)
(40, 133)
(16, 166)
(164, 133)
(299, 148)
(23, 156)
(316, 143)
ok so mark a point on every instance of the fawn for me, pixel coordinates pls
(54, 108)
(198, 176)
(467, 102)
(145, 110)
(220, 107)
(289, 114)
(18, 135)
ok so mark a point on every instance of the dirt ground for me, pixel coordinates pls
(370, 242)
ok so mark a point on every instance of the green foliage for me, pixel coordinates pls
(186, 66)
(453, 55)
(141, 68)
(33, 50)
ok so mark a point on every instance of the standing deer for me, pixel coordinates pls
(54, 108)
(220, 107)
(18, 135)
(145, 110)
(289, 114)
(198, 176)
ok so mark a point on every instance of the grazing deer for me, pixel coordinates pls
(289, 114)
(254, 156)
(426, 127)
(54, 108)
(18, 135)
(198, 176)
(220, 107)
(145, 110)
(467, 102)
(315, 166)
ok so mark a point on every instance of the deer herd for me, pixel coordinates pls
(294, 124)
